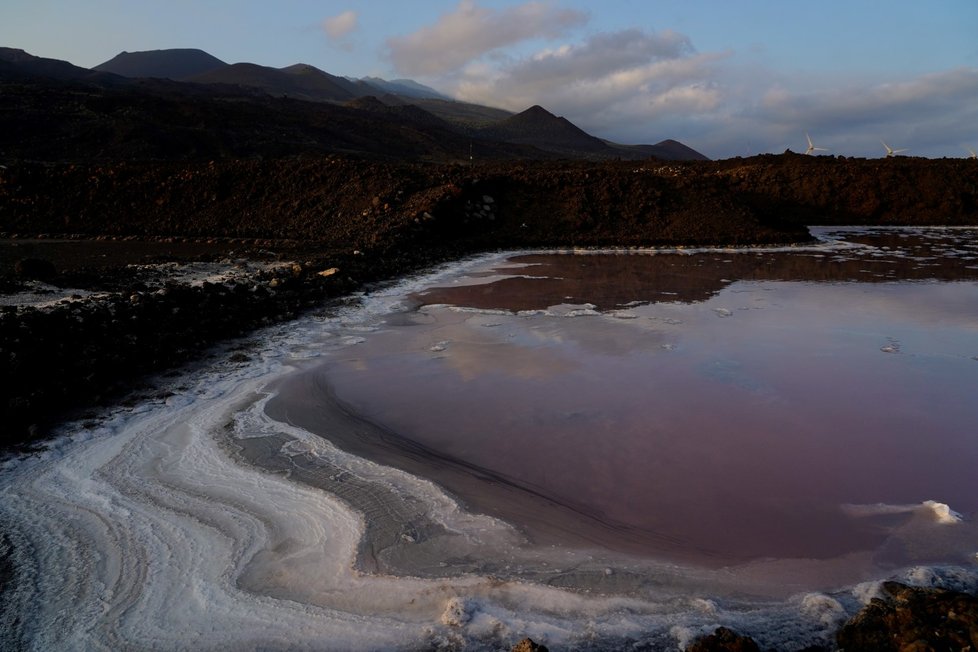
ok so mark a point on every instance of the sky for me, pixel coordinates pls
(726, 77)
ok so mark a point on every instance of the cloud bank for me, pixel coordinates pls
(934, 114)
(471, 31)
(626, 75)
(642, 85)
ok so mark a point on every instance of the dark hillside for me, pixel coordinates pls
(275, 82)
(322, 86)
(405, 88)
(176, 64)
(469, 117)
(17, 64)
(168, 121)
(57, 111)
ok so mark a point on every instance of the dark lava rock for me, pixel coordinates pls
(909, 618)
(34, 269)
(724, 640)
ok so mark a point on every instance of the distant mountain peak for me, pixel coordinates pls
(174, 63)
(537, 117)
(537, 110)
(539, 127)
(305, 69)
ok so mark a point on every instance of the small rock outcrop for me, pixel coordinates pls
(527, 645)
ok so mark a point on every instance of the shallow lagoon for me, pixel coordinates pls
(636, 448)
(707, 407)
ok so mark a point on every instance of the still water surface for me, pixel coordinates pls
(717, 407)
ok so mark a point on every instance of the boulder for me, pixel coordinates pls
(527, 645)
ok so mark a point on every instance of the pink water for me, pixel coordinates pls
(720, 407)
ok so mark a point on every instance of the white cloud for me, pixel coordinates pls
(471, 31)
(601, 55)
(627, 77)
(340, 26)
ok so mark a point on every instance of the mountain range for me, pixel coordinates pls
(299, 80)
(315, 111)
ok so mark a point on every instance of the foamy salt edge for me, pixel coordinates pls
(137, 532)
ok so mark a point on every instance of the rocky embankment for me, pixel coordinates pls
(347, 204)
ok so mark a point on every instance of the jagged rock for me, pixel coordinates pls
(724, 640)
(527, 645)
(913, 618)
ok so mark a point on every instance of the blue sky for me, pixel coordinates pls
(727, 77)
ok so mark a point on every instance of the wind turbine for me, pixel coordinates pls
(890, 151)
(811, 146)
